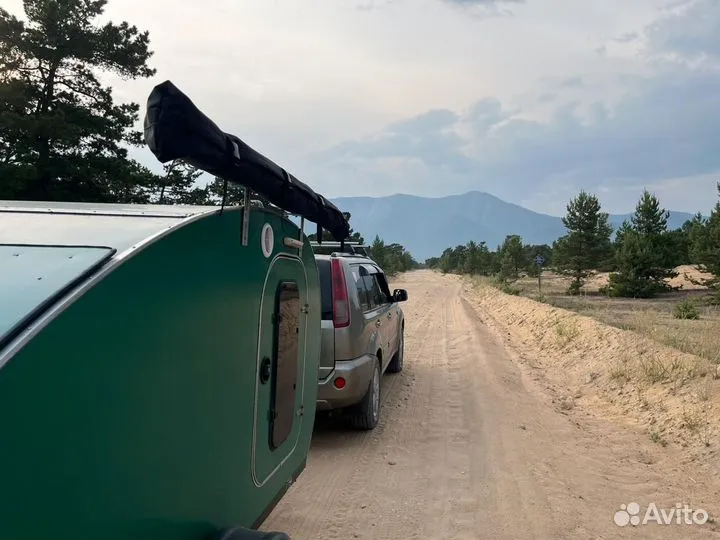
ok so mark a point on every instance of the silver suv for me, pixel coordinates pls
(362, 336)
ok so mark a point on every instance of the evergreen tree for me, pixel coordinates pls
(705, 244)
(636, 262)
(468, 266)
(484, 264)
(587, 244)
(432, 262)
(234, 193)
(177, 185)
(62, 135)
(621, 232)
(649, 219)
(377, 251)
(642, 257)
(353, 236)
(676, 248)
(446, 260)
(512, 258)
(476, 259)
(694, 230)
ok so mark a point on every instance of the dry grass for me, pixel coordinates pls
(632, 353)
(652, 318)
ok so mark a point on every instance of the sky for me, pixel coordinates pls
(529, 100)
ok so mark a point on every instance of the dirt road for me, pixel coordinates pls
(470, 447)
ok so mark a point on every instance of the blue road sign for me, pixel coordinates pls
(539, 260)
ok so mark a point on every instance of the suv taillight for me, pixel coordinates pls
(341, 306)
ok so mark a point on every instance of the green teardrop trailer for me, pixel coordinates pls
(158, 364)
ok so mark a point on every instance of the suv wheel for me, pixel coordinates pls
(366, 414)
(396, 364)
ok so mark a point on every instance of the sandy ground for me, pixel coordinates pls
(688, 278)
(615, 374)
(474, 445)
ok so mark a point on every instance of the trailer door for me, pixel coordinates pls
(280, 367)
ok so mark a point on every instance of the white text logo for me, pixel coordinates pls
(680, 514)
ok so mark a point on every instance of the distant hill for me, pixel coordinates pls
(426, 226)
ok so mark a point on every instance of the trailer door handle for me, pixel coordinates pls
(265, 370)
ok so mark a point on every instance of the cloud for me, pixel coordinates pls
(692, 33)
(482, 2)
(547, 97)
(369, 5)
(573, 82)
(662, 132)
(627, 37)
(484, 8)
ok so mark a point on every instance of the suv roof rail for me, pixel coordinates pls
(349, 248)
(345, 254)
(335, 243)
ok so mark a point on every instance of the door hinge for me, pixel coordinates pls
(306, 308)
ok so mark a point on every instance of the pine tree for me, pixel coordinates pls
(177, 185)
(587, 244)
(62, 135)
(694, 230)
(621, 232)
(705, 244)
(234, 193)
(353, 236)
(642, 268)
(471, 261)
(649, 219)
(377, 251)
(512, 258)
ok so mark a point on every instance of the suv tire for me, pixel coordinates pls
(366, 414)
(396, 364)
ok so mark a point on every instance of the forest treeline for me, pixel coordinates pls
(640, 255)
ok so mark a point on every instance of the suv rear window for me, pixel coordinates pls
(325, 289)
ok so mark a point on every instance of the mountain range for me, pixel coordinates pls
(427, 226)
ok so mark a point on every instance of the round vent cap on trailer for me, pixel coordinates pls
(267, 239)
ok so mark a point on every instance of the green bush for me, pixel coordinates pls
(714, 298)
(632, 286)
(686, 310)
(509, 289)
(575, 287)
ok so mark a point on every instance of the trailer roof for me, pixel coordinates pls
(34, 275)
(118, 226)
(47, 247)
